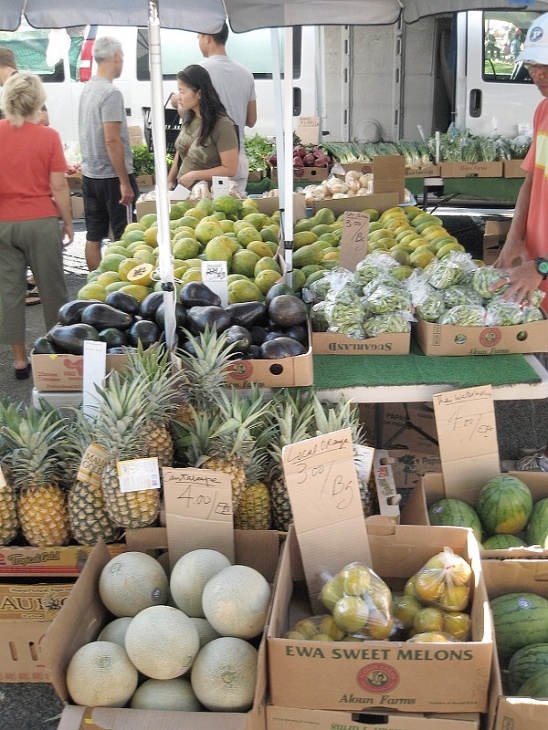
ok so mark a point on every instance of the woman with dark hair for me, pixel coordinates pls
(207, 145)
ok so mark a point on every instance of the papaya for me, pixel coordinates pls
(306, 255)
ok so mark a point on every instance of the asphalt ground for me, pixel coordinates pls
(520, 425)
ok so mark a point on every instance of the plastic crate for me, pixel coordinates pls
(172, 127)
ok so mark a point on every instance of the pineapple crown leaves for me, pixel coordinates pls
(294, 421)
(33, 437)
(206, 358)
(335, 416)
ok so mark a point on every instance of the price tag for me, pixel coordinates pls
(198, 511)
(138, 474)
(215, 276)
(325, 500)
(354, 239)
(308, 130)
(2, 478)
(91, 467)
(467, 435)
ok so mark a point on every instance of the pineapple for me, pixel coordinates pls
(9, 521)
(88, 513)
(293, 418)
(254, 510)
(222, 441)
(32, 435)
(154, 367)
(120, 428)
(205, 360)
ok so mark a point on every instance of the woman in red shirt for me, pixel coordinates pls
(34, 194)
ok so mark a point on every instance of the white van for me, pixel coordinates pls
(63, 59)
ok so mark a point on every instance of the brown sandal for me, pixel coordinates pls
(33, 296)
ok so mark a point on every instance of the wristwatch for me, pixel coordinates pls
(542, 267)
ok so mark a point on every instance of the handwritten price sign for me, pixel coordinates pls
(467, 435)
(325, 500)
(354, 239)
(198, 511)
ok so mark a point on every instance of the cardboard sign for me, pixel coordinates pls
(467, 435)
(308, 130)
(325, 499)
(354, 239)
(198, 511)
(215, 276)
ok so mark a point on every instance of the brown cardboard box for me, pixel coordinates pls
(493, 240)
(145, 181)
(398, 424)
(331, 343)
(75, 181)
(446, 339)
(135, 135)
(26, 612)
(471, 169)
(426, 171)
(77, 206)
(505, 576)
(283, 373)
(513, 168)
(67, 561)
(304, 174)
(408, 467)
(289, 718)
(65, 372)
(83, 616)
(388, 174)
(323, 676)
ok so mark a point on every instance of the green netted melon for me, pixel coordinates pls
(455, 513)
(504, 505)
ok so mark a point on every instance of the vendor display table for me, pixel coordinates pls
(499, 190)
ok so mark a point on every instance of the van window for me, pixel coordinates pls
(42, 52)
(504, 34)
(180, 49)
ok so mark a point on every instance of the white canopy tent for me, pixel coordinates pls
(207, 16)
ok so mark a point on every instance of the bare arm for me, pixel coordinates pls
(251, 116)
(61, 195)
(172, 175)
(115, 150)
(227, 168)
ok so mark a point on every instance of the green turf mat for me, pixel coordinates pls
(347, 371)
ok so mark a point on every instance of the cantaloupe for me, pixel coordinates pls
(206, 632)
(166, 694)
(162, 642)
(132, 581)
(236, 600)
(224, 674)
(100, 674)
(116, 631)
(189, 576)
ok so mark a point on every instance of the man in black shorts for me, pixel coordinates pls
(109, 187)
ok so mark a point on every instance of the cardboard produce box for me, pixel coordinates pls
(380, 202)
(426, 171)
(471, 169)
(399, 426)
(284, 373)
(83, 616)
(26, 612)
(287, 718)
(333, 343)
(507, 576)
(366, 676)
(513, 168)
(303, 174)
(409, 467)
(493, 240)
(388, 174)
(452, 340)
(65, 372)
(75, 181)
(33, 562)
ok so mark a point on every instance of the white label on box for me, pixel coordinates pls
(219, 186)
(91, 467)
(138, 474)
(325, 500)
(215, 276)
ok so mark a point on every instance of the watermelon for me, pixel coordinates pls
(519, 619)
(537, 529)
(501, 542)
(504, 505)
(536, 686)
(525, 663)
(455, 513)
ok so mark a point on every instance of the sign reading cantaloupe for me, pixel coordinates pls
(218, 608)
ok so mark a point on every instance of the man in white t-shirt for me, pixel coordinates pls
(236, 88)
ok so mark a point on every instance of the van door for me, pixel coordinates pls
(492, 95)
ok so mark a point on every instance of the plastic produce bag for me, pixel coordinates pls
(444, 581)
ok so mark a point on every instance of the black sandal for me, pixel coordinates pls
(33, 296)
(23, 373)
